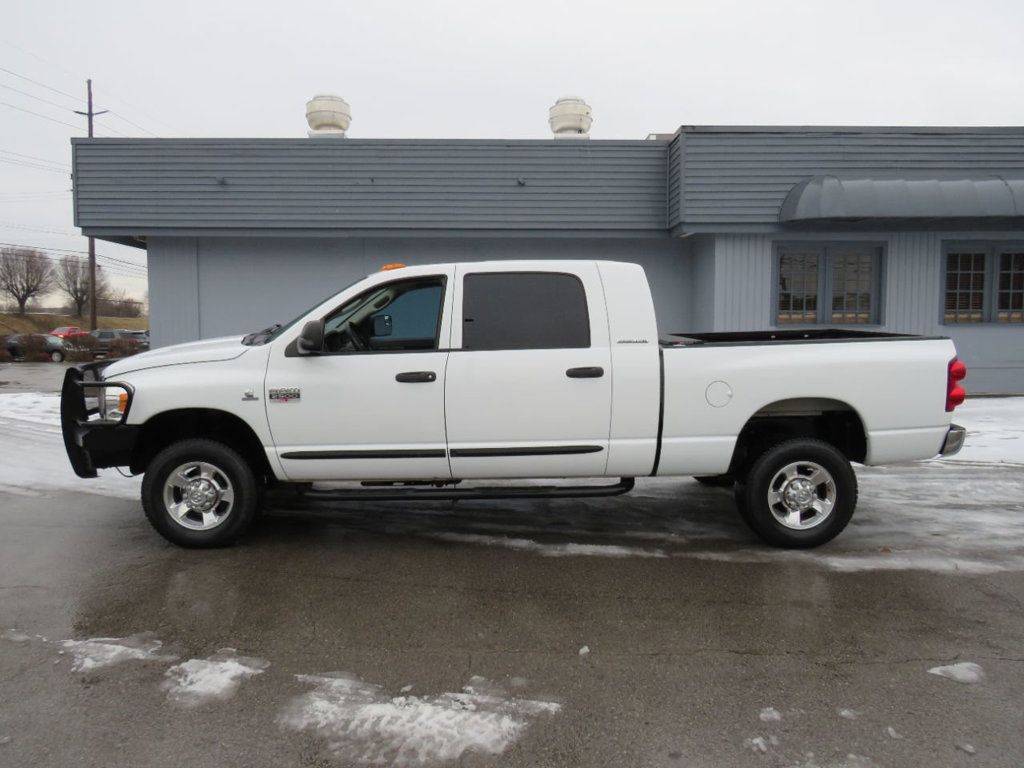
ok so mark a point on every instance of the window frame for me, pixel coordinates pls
(823, 314)
(459, 313)
(992, 249)
(437, 331)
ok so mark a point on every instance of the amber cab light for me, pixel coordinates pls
(389, 267)
(955, 394)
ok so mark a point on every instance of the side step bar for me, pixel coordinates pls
(625, 485)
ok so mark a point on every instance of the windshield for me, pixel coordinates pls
(271, 332)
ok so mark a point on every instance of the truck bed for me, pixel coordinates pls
(799, 336)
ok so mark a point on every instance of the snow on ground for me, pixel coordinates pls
(215, 678)
(962, 672)
(107, 651)
(363, 725)
(32, 457)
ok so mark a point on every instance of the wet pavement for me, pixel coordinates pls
(644, 630)
(702, 648)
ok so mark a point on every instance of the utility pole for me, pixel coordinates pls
(90, 114)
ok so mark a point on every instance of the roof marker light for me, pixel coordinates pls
(389, 267)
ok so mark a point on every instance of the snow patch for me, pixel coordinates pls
(848, 714)
(963, 672)
(215, 678)
(584, 650)
(770, 715)
(892, 733)
(106, 651)
(33, 460)
(362, 725)
(15, 636)
(569, 549)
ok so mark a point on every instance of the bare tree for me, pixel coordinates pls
(117, 303)
(72, 279)
(24, 273)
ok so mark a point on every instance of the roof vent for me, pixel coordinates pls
(328, 115)
(570, 118)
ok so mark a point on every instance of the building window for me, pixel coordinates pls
(1010, 291)
(828, 284)
(984, 283)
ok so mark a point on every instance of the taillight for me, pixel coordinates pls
(955, 394)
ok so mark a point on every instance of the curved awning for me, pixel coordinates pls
(833, 197)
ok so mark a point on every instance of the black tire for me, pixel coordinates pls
(234, 473)
(716, 481)
(753, 501)
(57, 356)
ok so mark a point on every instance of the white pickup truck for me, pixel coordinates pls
(418, 381)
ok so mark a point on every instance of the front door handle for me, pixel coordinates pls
(416, 377)
(592, 372)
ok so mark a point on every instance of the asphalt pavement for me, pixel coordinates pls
(646, 630)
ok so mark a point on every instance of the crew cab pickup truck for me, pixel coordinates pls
(420, 382)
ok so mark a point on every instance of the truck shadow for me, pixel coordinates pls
(657, 513)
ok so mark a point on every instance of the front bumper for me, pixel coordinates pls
(92, 444)
(954, 440)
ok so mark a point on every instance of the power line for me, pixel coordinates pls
(42, 85)
(81, 259)
(37, 98)
(35, 157)
(37, 114)
(73, 250)
(36, 166)
(122, 117)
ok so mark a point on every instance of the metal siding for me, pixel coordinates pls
(674, 176)
(743, 270)
(174, 290)
(161, 184)
(742, 176)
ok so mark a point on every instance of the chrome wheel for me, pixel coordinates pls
(198, 496)
(801, 495)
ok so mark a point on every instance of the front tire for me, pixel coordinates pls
(57, 356)
(798, 494)
(199, 493)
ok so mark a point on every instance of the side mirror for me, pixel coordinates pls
(382, 325)
(311, 340)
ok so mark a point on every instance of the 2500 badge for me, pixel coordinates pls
(284, 394)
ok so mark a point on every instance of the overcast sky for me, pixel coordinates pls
(478, 69)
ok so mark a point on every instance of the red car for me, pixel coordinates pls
(66, 330)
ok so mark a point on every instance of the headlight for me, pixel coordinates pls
(113, 403)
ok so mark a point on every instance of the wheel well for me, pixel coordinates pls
(171, 426)
(833, 421)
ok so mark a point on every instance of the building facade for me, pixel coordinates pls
(916, 230)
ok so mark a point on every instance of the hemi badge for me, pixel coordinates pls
(284, 394)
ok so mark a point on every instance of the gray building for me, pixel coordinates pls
(917, 230)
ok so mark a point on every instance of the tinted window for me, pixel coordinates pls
(524, 310)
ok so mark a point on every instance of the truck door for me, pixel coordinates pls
(371, 407)
(528, 388)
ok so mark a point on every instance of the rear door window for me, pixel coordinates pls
(524, 310)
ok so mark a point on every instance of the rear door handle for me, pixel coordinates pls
(592, 372)
(415, 377)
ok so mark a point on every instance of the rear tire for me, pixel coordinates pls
(57, 356)
(798, 494)
(200, 493)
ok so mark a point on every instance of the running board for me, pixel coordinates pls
(625, 485)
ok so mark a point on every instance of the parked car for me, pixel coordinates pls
(67, 330)
(141, 338)
(52, 346)
(104, 338)
(416, 379)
